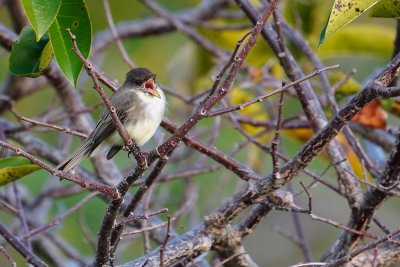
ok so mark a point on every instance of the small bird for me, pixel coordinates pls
(140, 106)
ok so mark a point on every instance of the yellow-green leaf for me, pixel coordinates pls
(342, 13)
(46, 57)
(350, 87)
(13, 168)
(386, 9)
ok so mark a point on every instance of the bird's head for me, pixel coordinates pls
(144, 79)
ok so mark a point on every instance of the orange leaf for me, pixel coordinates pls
(372, 115)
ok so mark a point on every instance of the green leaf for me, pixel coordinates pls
(350, 87)
(386, 9)
(342, 13)
(387, 104)
(73, 15)
(13, 168)
(41, 14)
(28, 57)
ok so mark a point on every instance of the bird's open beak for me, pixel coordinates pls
(151, 87)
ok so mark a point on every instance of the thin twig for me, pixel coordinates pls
(144, 216)
(21, 213)
(363, 248)
(21, 248)
(308, 195)
(8, 256)
(276, 139)
(115, 35)
(167, 237)
(52, 126)
(89, 237)
(219, 264)
(303, 244)
(196, 37)
(261, 98)
(107, 190)
(145, 229)
(61, 217)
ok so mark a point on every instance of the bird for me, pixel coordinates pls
(140, 105)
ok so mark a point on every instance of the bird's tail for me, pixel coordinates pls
(83, 151)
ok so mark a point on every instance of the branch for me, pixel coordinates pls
(162, 151)
(21, 248)
(258, 189)
(360, 249)
(374, 196)
(107, 190)
(180, 26)
(151, 26)
(311, 106)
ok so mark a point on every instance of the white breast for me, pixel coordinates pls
(144, 128)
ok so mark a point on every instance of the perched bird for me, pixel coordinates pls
(140, 106)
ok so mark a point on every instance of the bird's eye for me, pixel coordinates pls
(136, 82)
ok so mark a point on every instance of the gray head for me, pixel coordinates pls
(138, 76)
(142, 78)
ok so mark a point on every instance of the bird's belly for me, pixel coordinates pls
(140, 130)
(143, 130)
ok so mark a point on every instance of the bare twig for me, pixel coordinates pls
(303, 243)
(167, 237)
(21, 248)
(197, 38)
(8, 257)
(276, 140)
(308, 195)
(61, 217)
(107, 190)
(21, 213)
(363, 248)
(261, 98)
(114, 33)
(141, 217)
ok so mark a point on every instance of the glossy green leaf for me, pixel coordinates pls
(342, 13)
(28, 57)
(13, 168)
(386, 9)
(41, 14)
(72, 15)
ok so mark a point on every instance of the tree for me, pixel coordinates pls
(261, 129)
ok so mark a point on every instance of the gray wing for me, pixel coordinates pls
(122, 100)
